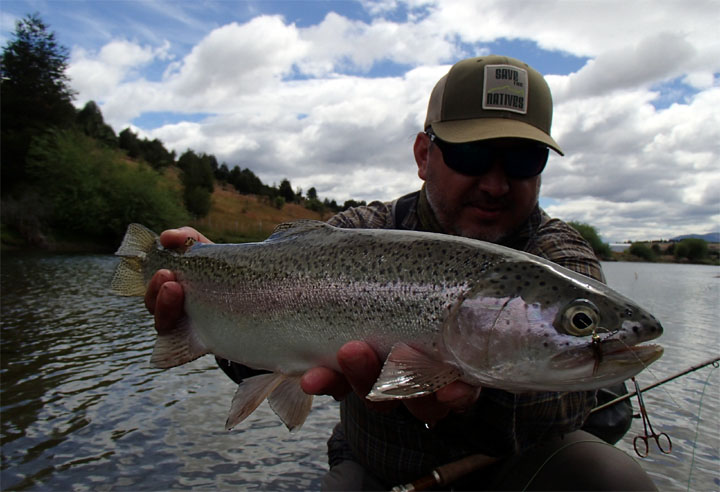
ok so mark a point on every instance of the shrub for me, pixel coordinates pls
(692, 248)
(642, 250)
(92, 191)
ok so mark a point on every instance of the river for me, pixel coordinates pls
(82, 409)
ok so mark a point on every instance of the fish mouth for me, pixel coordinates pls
(608, 353)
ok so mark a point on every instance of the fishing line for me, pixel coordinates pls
(647, 368)
(549, 458)
(715, 365)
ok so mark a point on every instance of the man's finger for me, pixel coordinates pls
(458, 395)
(178, 238)
(324, 381)
(157, 280)
(360, 365)
(168, 307)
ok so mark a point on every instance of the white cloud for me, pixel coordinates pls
(628, 161)
(96, 75)
(294, 102)
(235, 60)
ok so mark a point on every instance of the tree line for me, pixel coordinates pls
(692, 250)
(67, 171)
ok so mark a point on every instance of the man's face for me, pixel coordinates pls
(487, 207)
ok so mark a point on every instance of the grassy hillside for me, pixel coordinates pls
(241, 218)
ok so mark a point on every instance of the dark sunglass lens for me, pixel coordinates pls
(470, 159)
(476, 158)
(525, 162)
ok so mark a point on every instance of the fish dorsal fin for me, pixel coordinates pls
(288, 230)
(250, 394)
(290, 403)
(408, 373)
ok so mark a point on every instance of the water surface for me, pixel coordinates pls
(82, 409)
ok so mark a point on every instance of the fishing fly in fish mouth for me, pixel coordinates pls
(484, 314)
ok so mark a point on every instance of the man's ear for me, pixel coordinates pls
(421, 149)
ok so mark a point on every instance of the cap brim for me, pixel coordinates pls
(460, 131)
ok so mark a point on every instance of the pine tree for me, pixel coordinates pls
(35, 93)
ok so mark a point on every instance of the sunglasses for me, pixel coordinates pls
(477, 158)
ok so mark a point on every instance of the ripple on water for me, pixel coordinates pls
(82, 409)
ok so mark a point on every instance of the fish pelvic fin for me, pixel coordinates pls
(177, 347)
(283, 393)
(128, 279)
(408, 373)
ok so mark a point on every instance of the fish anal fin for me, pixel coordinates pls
(290, 403)
(408, 373)
(249, 395)
(178, 347)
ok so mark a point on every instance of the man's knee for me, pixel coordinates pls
(349, 475)
(584, 462)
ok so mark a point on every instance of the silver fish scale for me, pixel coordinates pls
(328, 286)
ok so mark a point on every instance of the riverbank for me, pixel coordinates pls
(664, 252)
(233, 218)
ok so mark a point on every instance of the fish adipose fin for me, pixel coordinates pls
(408, 373)
(137, 243)
(284, 395)
(178, 347)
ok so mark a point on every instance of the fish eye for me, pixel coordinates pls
(580, 318)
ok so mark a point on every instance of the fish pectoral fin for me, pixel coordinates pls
(291, 403)
(178, 347)
(408, 373)
(249, 395)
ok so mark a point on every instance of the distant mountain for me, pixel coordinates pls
(711, 237)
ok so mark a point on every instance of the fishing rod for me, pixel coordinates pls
(713, 361)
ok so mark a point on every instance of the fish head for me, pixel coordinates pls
(548, 329)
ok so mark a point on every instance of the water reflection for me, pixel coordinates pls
(82, 409)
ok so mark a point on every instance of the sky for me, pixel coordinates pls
(330, 94)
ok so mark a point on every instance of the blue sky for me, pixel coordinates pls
(329, 94)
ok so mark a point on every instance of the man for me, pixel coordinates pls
(485, 144)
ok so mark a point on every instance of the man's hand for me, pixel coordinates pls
(360, 368)
(164, 296)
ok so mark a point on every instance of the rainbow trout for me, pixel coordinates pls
(437, 308)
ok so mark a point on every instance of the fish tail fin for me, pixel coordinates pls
(177, 347)
(137, 243)
(283, 393)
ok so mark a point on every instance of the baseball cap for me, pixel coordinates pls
(491, 97)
